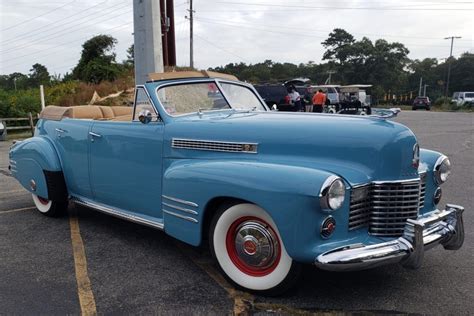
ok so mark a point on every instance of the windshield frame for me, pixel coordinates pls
(221, 90)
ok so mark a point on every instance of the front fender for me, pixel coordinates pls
(288, 193)
(29, 160)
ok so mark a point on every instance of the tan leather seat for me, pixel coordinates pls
(86, 112)
(91, 112)
(122, 110)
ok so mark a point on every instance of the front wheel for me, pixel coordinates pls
(247, 245)
(53, 208)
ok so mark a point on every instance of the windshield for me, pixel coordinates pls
(188, 98)
(241, 98)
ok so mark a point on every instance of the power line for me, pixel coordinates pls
(61, 32)
(222, 49)
(322, 31)
(39, 30)
(34, 18)
(343, 8)
(62, 44)
(286, 33)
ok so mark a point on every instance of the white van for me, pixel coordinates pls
(462, 97)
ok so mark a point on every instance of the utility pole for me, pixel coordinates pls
(42, 97)
(191, 44)
(148, 51)
(424, 90)
(449, 63)
(167, 30)
(329, 72)
(421, 83)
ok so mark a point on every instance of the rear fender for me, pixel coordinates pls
(30, 160)
(288, 193)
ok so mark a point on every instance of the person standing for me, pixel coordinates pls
(295, 99)
(319, 99)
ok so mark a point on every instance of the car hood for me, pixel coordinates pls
(358, 148)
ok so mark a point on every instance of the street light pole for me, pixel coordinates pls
(449, 63)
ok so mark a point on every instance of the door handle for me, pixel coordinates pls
(94, 135)
(60, 130)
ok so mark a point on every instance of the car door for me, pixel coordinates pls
(126, 161)
(71, 140)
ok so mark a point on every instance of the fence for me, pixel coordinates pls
(29, 125)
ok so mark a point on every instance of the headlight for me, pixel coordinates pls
(332, 193)
(442, 169)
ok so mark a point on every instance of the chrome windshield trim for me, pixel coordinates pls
(180, 201)
(118, 213)
(187, 218)
(186, 210)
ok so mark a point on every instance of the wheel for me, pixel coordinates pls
(247, 246)
(53, 208)
(428, 108)
(413, 108)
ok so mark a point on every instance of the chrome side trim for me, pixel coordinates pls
(180, 201)
(186, 210)
(181, 216)
(211, 145)
(118, 213)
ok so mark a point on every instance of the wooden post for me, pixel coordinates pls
(32, 125)
(42, 97)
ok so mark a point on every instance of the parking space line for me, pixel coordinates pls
(18, 210)
(84, 288)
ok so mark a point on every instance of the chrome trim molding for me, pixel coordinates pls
(444, 227)
(186, 210)
(210, 145)
(436, 167)
(191, 219)
(118, 213)
(180, 201)
(323, 192)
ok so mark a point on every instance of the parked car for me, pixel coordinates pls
(421, 103)
(275, 94)
(258, 186)
(462, 98)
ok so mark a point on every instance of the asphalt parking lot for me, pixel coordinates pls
(47, 266)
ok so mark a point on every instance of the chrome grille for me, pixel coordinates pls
(214, 145)
(385, 207)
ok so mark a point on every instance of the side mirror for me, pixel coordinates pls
(145, 116)
(274, 107)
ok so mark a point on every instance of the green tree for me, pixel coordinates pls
(338, 46)
(130, 61)
(97, 62)
(39, 75)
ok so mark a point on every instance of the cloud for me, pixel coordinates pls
(231, 30)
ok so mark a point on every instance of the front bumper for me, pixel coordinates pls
(438, 227)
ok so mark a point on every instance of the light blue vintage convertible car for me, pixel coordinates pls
(201, 157)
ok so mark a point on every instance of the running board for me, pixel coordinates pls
(118, 213)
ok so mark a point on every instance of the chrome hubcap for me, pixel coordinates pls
(256, 245)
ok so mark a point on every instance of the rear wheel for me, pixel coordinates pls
(247, 246)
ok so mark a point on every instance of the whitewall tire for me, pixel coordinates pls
(248, 248)
(51, 208)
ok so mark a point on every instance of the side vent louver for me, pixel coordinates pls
(214, 145)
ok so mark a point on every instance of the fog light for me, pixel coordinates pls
(437, 196)
(328, 227)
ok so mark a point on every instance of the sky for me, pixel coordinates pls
(51, 32)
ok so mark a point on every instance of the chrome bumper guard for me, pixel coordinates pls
(438, 227)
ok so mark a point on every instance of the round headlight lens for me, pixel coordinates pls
(336, 194)
(442, 170)
(332, 193)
